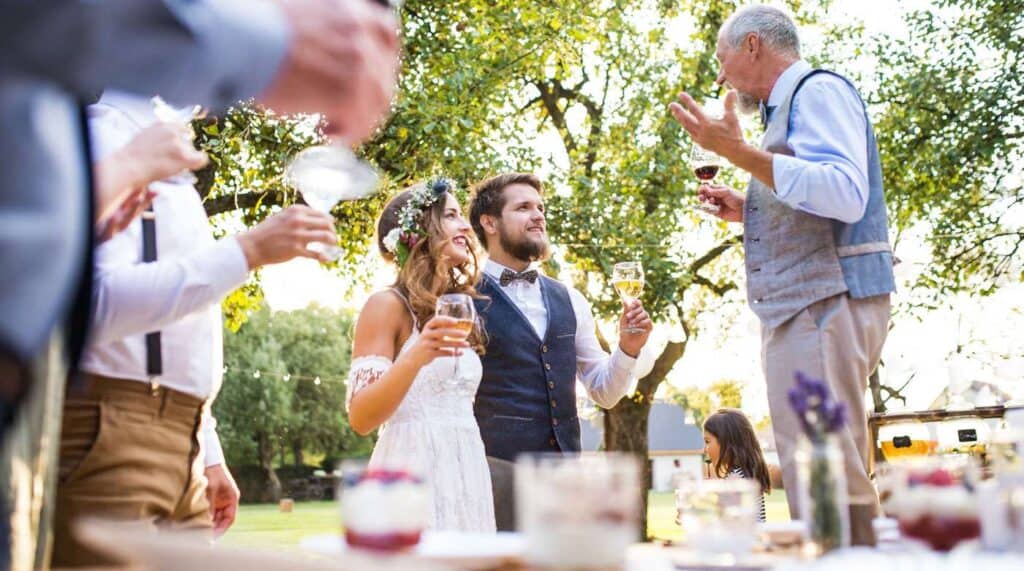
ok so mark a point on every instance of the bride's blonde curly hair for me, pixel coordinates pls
(427, 273)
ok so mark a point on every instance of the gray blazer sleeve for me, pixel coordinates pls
(213, 52)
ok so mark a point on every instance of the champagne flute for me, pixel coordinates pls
(628, 281)
(459, 307)
(326, 175)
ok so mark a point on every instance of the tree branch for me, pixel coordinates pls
(549, 96)
(714, 253)
(662, 365)
(719, 289)
(247, 200)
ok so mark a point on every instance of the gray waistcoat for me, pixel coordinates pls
(793, 258)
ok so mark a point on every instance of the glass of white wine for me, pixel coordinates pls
(326, 175)
(459, 307)
(628, 281)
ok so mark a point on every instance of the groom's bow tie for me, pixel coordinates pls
(766, 113)
(508, 276)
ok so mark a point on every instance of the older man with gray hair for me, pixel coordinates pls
(818, 259)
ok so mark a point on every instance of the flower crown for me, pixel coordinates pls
(403, 238)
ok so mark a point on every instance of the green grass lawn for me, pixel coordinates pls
(264, 526)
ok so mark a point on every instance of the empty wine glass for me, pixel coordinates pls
(326, 175)
(628, 281)
(459, 307)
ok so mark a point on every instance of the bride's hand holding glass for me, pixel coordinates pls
(442, 336)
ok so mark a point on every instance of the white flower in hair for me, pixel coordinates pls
(391, 240)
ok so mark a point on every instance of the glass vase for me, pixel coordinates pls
(824, 505)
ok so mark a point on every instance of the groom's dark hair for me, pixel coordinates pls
(488, 197)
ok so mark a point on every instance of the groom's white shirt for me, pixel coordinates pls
(606, 378)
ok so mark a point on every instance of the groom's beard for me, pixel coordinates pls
(748, 104)
(524, 248)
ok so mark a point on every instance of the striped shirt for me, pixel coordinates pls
(738, 472)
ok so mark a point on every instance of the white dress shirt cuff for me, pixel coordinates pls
(213, 454)
(620, 361)
(243, 43)
(225, 264)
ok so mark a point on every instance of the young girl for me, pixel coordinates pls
(403, 369)
(732, 450)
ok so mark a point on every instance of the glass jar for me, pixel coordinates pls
(824, 505)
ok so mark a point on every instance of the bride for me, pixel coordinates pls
(403, 368)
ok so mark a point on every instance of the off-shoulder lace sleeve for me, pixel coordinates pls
(363, 372)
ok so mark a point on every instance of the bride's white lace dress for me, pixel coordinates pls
(434, 432)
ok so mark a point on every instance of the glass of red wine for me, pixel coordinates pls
(706, 165)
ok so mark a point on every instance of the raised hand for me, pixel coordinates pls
(285, 235)
(721, 136)
(343, 62)
(439, 338)
(635, 327)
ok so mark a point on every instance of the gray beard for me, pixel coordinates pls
(747, 103)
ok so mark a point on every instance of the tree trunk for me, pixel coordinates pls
(875, 384)
(625, 430)
(297, 452)
(625, 424)
(266, 453)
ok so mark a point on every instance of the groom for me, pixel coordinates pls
(541, 338)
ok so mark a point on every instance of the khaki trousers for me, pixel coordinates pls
(839, 340)
(128, 452)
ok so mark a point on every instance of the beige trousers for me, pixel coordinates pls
(131, 453)
(839, 340)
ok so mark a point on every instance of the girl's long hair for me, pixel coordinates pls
(428, 273)
(738, 446)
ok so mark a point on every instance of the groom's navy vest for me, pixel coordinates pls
(527, 397)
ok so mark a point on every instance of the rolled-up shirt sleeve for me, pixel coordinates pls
(607, 378)
(124, 294)
(828, 175)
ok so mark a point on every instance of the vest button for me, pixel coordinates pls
(547, 366)
(543, 348)
(554, 422)
(551, 384)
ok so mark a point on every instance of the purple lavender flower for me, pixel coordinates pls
(817, 412)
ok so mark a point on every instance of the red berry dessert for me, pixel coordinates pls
(385, 510)
(935, 508)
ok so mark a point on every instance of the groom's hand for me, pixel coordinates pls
(634, 328)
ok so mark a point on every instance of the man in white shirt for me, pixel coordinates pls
(137, 443)
(541, 337)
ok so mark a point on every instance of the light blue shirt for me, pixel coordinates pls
(828, 175)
